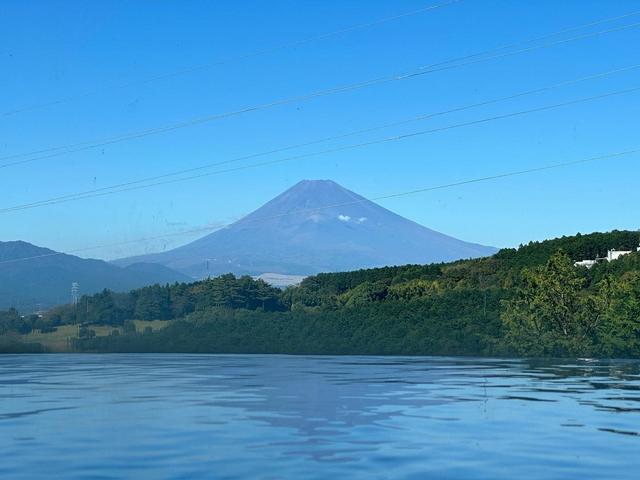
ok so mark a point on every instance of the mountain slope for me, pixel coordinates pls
(46, 280)
(296, 234)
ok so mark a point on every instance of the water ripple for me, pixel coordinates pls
(274, 417)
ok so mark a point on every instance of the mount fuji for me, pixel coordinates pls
(315, 226)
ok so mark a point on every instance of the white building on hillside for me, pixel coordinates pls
(612, 255)
(616, 254)
(585, 263)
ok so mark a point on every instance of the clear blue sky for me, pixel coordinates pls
(57, 49)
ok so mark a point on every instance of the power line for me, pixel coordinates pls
(336, 137)
(308, 40)
(131, 186)
(424, 70)
(343, 204)
(420, 71)
(257, 53)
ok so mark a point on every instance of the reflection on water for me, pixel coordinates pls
(219, 416)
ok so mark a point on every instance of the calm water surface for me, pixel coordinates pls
(269, 417)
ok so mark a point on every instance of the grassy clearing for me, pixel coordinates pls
(60, 340)
(57, 341)
(154, 324)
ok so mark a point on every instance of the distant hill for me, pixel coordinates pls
(296, 234)
(41, 282)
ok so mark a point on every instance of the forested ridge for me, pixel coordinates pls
(529, 301)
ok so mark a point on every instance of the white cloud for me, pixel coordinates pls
(344, 218)
(362, 220)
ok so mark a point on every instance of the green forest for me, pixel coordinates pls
(530, 301)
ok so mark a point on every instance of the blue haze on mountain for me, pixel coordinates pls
(33, 278)
(315, 226)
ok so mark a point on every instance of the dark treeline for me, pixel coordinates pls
(169, 302)
(12, 325)
(12, 322)
(447, 325)
(529, 301)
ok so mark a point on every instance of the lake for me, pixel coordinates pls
(270, 417)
